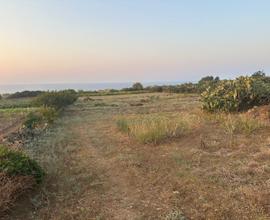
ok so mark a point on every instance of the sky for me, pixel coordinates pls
(64, 41)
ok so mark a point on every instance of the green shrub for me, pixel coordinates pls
(236, 95)
(16, 103)
(57, 100)
(42, 116)
(17, 163)
(33, 119)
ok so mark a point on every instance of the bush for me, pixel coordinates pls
(152, 129)
(17, 163)
(57, 100)
(236, 95)
(42, 116)
(32, 120)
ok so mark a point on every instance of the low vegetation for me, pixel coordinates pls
(16, 103)
(242, 124)
(43, 116)
(24, 94)
(153, 128)
(18, 173)
(17, 163)
(238, 123)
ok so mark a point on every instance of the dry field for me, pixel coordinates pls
(12, 113)
(209, 166)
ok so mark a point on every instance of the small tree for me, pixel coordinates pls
(137, 86)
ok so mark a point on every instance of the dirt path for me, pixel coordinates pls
(124, 190)
(116, 200)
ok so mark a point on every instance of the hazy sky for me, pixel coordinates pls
(45, 41)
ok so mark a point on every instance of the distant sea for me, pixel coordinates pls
(11, 88)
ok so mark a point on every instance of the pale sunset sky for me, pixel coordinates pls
(63, 41)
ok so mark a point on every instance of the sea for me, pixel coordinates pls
(11, 88)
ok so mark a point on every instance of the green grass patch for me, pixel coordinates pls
(8, 111)
(16, 103)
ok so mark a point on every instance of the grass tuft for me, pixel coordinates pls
(236, 123)
(154, 129)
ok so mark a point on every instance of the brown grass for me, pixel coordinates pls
(155, 128)
(11, 187)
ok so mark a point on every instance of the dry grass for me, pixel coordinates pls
(236, 123)
(96, 172)
(154, 128)
(242, 123)
(11, 187)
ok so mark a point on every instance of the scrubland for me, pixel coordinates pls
(150, 156)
